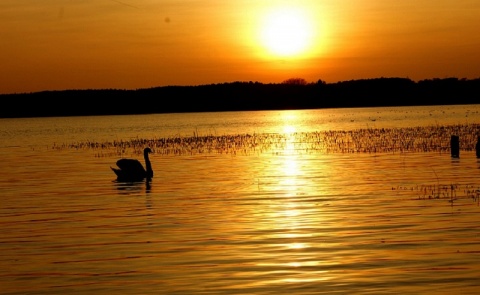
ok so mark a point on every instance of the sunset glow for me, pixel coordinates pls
(56, 45)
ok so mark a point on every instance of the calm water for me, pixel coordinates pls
(254, 222)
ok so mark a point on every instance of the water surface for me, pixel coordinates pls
(288, 221)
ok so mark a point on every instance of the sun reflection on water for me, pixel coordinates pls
(288, 129)
(297, 246)
(291, 217)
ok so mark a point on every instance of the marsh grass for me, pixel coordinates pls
(450, 192)
(369, 140)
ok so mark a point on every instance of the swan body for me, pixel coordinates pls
(133, 170)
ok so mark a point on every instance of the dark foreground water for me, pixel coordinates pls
(274, 218)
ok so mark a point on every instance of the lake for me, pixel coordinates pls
(332, 201)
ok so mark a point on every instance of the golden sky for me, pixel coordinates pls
(131, 44)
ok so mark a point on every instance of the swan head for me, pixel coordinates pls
(147, 150)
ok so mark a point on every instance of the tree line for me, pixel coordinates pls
(294, 93)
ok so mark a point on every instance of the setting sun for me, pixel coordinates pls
(286, 32)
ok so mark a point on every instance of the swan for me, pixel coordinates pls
(132, 169)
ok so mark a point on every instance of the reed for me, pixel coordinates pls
(450, 192)
(368, 140)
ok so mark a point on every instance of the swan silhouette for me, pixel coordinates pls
(132, 170)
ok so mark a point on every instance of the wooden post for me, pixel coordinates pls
(455, 146)
(477, 147)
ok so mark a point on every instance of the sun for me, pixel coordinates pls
(286, 32)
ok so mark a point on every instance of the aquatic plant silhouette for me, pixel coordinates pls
(368, 140)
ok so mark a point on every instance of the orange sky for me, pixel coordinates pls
(130, 44)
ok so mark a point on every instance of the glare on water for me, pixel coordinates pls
(281, 221)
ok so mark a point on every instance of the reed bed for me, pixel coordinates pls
(451, 192)
(368, 140)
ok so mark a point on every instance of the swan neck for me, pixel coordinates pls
(148, 165)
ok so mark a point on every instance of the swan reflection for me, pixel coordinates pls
(133, 187)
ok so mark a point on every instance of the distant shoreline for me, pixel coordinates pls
(243, 96)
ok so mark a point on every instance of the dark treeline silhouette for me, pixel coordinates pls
(294, 93)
